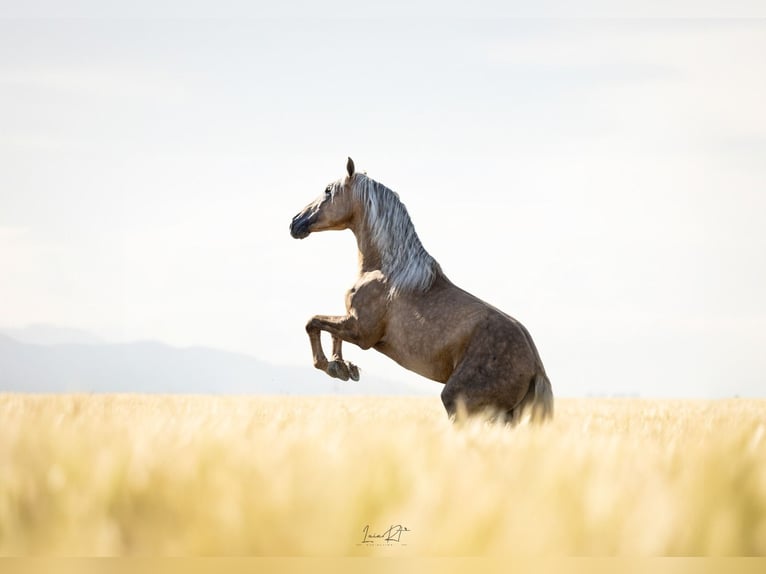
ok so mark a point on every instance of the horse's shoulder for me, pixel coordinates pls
(370, 280)
(368, 288)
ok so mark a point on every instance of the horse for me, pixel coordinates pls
(405, 307)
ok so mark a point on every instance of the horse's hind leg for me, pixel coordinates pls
(464, 395)
(460, 400)
(486, 382)
(478, 396)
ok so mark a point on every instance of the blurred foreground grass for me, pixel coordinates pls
(187, 475)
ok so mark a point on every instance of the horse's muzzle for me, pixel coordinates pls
(299, 227)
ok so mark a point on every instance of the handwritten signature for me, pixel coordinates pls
(393, 534)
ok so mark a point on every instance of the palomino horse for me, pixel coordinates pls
(405, 307)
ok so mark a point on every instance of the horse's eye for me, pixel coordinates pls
(328, 191)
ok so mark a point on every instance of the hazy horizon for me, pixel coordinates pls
(602, 180)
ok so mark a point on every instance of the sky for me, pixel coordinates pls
(603, 180)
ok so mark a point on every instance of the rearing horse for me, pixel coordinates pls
(405, 307)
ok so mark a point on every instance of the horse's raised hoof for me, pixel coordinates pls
(353, 371)
(338, 370)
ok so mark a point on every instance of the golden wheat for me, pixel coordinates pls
(168, 475)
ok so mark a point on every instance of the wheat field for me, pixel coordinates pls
(132, 475)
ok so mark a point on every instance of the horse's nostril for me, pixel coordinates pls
(299, 228)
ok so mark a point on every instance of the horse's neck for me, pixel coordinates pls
(369, 256)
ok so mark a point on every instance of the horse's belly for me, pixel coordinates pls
(428, 335)
(435, 368)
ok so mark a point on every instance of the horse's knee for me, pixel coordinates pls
(460, 404)
(448, 400)
(451, 399)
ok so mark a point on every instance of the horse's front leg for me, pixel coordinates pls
(341, 328)
(346, 369)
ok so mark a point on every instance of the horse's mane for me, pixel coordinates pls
(404, 261)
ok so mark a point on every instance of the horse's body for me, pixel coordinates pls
(405, 307)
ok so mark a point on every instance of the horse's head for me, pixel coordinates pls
(334, 209)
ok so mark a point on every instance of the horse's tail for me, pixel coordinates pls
(538, 401)
(542, 403)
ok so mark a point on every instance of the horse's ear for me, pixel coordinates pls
(350, 167)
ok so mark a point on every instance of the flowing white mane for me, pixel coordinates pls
(404, 261)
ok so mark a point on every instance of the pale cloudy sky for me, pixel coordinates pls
(603, 180)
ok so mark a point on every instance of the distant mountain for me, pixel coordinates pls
(151, 367)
